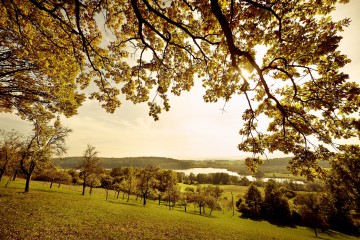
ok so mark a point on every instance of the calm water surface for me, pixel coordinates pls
(222, 170)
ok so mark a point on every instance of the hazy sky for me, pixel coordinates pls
(191, 129)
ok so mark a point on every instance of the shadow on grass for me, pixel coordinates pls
(325, 234)
(194, 213)
(130, 203)
(140, 204)
(50, 190)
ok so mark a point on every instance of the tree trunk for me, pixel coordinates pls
(84, 186)
(185, 208)
(107, 193)
(59, 185)
(232, 203)
(51, 183)
(27, 184)
(2, 170)
(90, 189)
(200, 209)
(128, 197)
(117, 196)
(15, 175)
(144, 196)
(8, 182)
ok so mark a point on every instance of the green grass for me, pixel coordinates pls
(63, 213)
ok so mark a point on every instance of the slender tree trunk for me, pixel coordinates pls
(90, 189)
(185, 208)
(107, 193)
(15, 175)
(123, 195)
(2, 170)
(51, 183)
(8, 182)
(118, 193)
(59, 185)
(232, 203)
(27, 184)
(84, 186)
(144, 196)
(200, 209)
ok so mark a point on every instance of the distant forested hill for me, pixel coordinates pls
(166, 163)
(271, 165)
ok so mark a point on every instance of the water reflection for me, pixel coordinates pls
(222, 170)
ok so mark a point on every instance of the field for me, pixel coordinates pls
(63, 213)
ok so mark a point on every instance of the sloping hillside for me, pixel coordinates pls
(167, 163)
(272, 165)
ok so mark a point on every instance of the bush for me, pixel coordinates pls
(244, 181)
(315, 187)
(251, 212)
(189, 189)
(289, 194)
(252, 206)
(276, 207)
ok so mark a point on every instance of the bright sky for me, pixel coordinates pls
(191, 129)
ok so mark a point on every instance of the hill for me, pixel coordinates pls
(63, 213)
(166, 163)
(270, 166)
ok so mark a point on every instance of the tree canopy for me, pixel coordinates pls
(155, 48)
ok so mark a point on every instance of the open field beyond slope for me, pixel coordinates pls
(63, 213)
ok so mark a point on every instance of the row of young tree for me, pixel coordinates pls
(151, 182)
(329, 209)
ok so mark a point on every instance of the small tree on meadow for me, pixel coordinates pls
(90, 165)
(130, 181)
(47, 139)
(167, 184)
(93, 180)
(148, 181)
(10, 143)
(107, 183)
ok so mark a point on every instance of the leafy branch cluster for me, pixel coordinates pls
(298, 84)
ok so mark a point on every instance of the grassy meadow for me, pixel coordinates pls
(63, 213)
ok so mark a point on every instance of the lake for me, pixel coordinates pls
(222, 170)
